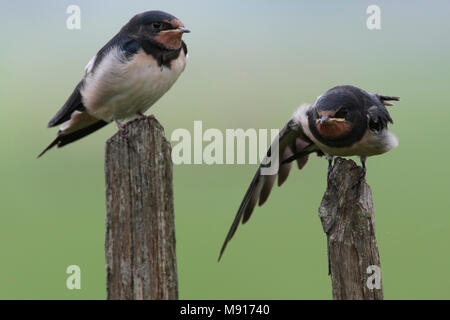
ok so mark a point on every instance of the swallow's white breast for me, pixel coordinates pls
(372, 143)
(119, 89)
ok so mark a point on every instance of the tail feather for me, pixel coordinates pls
(64, 139)
(51, 145)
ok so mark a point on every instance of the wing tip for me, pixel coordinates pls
(51, 124)
(50, 146)
(220, 255)
(224, 246)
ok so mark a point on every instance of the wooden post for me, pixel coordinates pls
(347, 218)
(140, 230)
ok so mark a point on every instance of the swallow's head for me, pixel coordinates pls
(337, 113)
(159, 27)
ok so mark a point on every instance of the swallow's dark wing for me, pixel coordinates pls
(293, 144)
(378, 115)
(72, 104)
(125, 44)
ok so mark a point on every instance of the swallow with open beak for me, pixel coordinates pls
(125, 78)
(344, 121)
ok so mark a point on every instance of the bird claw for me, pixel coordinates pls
(124, 133)
(143, 116)
(330, 167)
(362, 177)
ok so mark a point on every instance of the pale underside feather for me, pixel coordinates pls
(119, 90)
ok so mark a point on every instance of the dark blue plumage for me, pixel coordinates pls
(126, 76)
(344, 121)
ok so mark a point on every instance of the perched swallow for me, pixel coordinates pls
(125, 78)
(344, 121)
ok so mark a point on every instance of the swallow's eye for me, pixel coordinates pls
(156, 25)
(342, 113)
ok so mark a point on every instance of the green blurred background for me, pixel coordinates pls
(251, 64)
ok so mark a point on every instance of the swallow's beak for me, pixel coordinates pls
(323, 120)
(326, 119)
(183, 30)
(178, 30)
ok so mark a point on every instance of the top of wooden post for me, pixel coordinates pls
(348, 220)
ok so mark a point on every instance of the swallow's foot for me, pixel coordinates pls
(120, 126)
(123, 131)
(330, 166)
(143, 116)
(362, 176)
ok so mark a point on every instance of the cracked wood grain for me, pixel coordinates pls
(347, 217)
(140, 230)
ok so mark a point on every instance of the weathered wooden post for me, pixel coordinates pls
(140, 230)
(348, 220)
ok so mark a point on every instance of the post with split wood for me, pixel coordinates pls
(140, 230)
(348, 220)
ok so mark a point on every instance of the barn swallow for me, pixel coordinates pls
(344, 121)
(125, 78)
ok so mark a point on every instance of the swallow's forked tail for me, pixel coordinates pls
(384, 99)
(65, 138)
